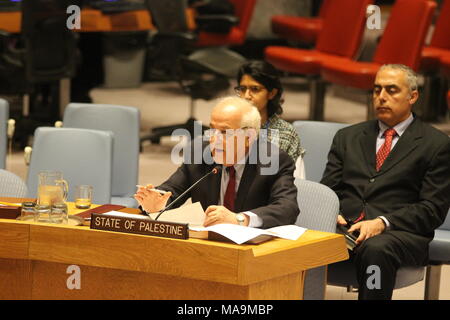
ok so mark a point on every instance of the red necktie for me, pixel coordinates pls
(228, 200)
(383, 152)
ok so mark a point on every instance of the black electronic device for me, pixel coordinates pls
(350, 238)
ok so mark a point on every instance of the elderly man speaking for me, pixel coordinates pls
(242, 191)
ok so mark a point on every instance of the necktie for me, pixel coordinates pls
(230, 193)
(383, 153)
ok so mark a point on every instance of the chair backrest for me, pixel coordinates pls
(50, 46)
(403, 38)
(168, 15)
(343, 27)
(319, 207)
(4, 115)
(318, 204)
(441, 34)
(324, 9)
(316, 138)
(124, 122)
(11, 185)
(243, 9)
(83, 156)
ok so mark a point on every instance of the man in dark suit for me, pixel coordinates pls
(255, 184)
(392, 176)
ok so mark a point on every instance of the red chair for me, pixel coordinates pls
(440, 42)
(401, 42)
(340, 37)
(244, 11)
(445, 64)
(445, 67)
(303, 29)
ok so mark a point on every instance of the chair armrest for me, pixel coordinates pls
(205, 18)
(185, 36)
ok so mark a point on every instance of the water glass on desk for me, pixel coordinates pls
(83, 196)
(43, 212)
(28, 211)
(59, 213)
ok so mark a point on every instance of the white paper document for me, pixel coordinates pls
(240, 234)
(194, 215)
(191, 213)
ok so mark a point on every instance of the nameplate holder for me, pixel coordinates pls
(140, 226)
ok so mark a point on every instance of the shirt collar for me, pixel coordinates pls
(400, 128)
(269, 121)
(238, 167)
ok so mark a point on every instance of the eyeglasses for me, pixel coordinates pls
(241, 90)
(229, 133)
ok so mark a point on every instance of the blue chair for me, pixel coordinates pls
(124, 123)
(11, 185)
(83, 156)
(319, 207)
(4, 114)
(316, 138)
(439, 254)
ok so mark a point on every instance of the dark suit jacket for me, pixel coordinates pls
(412, 188)
(271, 197)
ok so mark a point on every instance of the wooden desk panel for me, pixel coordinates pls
(49, 282)
(128, 266)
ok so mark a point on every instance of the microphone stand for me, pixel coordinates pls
(213, 171)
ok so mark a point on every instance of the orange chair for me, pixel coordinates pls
(401, 42)
(440, 42)
(237, 35)
(303, 29)
(340, 37)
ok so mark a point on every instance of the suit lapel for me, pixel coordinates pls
(368, 143)
(409, 140)
(212, 183)
(248, 176)
(247, 179)
(213, 187)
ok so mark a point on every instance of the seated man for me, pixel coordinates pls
(392, 177)
(253, 187)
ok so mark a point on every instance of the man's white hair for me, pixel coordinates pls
(251, 118)
(411, 76)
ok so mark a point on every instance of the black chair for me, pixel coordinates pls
(38, 59)
(201, 73)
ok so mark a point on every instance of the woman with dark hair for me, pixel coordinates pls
(260, 84)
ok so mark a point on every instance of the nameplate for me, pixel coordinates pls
(140, 226)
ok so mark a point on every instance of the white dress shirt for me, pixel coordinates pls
(254, 220)
(400, 128)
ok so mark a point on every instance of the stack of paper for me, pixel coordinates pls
(194, 215)
(240, 234)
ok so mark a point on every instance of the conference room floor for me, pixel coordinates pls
(163, 103)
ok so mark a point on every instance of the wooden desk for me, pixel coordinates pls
(34, 259)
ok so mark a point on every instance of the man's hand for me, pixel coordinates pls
(150, 200)
(341, 221)
(368, 229)
(220, 214)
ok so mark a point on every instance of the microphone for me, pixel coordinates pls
(215, 170)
